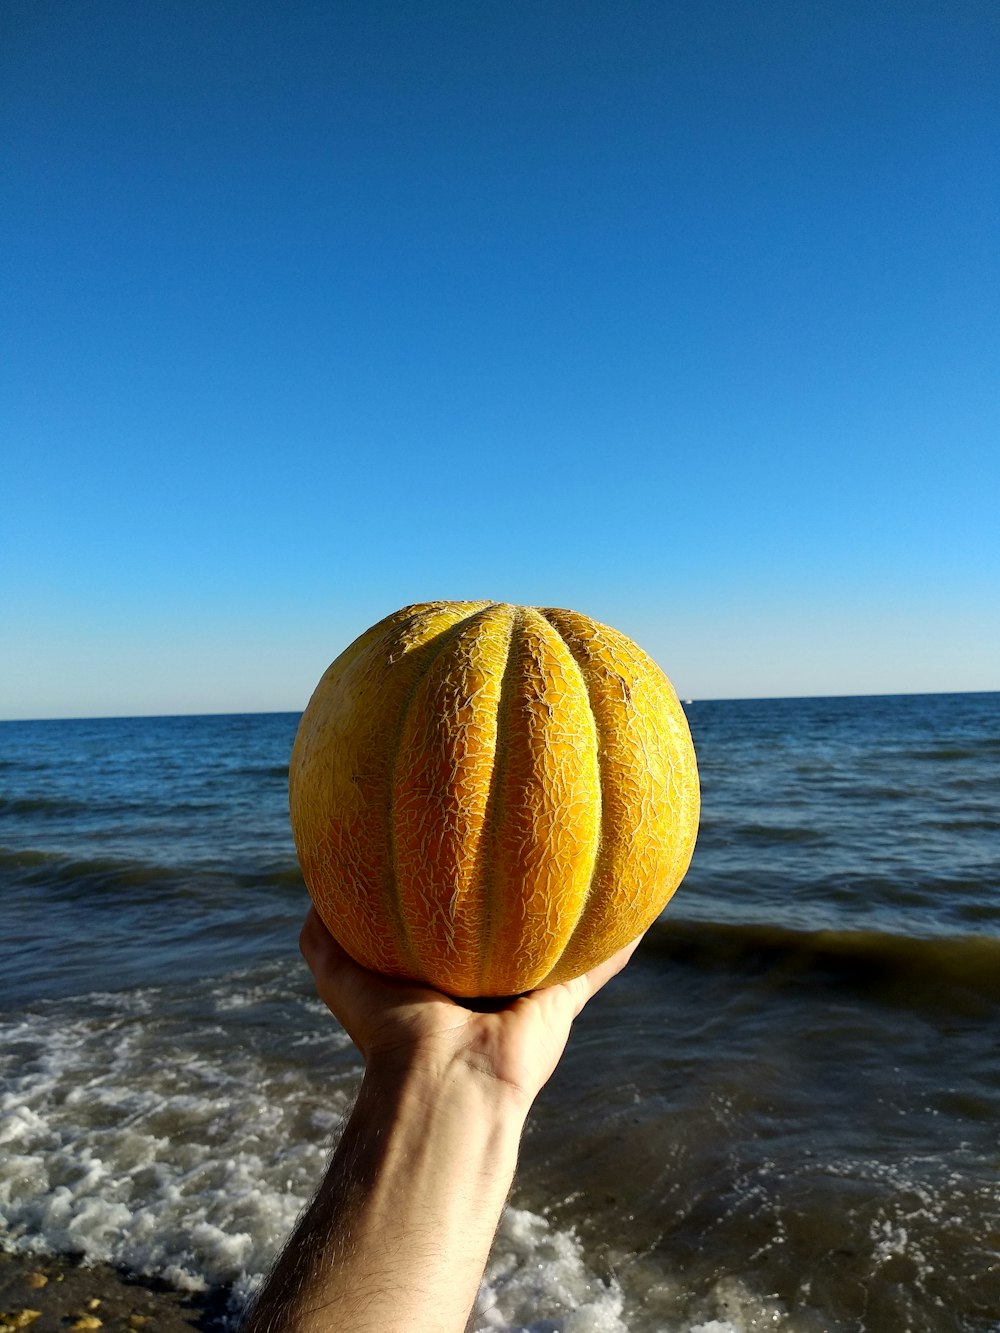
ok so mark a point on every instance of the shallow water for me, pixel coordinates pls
(783, 1115)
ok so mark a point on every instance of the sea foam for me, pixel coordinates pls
(137, 1136)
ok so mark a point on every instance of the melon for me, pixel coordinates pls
(489, 798)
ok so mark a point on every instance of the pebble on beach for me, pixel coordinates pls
(55, 1294)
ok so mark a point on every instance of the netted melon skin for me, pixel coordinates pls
(489, 798)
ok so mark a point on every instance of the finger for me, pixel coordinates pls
(314, 935)
(320, 950)
(587, 986)
(312, 929)
(353, 994)
(338, 977)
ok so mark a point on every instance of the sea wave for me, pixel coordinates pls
(114, 807)
(977, 748)
(62, 806)
(266, 771)
(57, 874)
(908, 968)
(757, 832)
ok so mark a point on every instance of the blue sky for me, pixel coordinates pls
(682, 315)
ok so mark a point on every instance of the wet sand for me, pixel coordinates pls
(61, 1295)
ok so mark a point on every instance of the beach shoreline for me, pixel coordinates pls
(68, 1292)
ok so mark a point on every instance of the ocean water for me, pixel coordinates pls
(785, 1114)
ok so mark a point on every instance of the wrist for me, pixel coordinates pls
(429, 1082)
(400, 1231)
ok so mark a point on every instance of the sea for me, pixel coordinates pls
(783, 1115)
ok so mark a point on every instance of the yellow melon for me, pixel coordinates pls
(489, 798)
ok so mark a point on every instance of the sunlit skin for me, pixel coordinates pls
(398, 1235)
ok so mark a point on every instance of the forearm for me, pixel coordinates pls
(398, 1236)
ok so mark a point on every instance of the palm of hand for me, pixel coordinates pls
(392, 1022)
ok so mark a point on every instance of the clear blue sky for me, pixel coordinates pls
(684, 315)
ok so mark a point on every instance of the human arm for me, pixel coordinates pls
(397, 1238)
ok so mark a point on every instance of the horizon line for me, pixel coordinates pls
(721, 698)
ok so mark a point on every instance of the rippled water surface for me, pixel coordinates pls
(783, 1115)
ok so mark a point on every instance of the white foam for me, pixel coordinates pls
(140, 1140)
(180, 1134)
(142, 1132)
(537, 1268)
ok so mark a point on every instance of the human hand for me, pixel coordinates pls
(399, 1026)
(399, 1232)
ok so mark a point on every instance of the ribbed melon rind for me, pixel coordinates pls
(488, 798)
(650, 793)
(340, 780)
